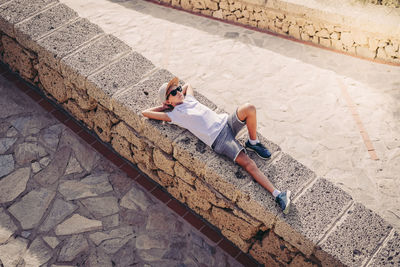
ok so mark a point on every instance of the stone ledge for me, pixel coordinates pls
(107, 95)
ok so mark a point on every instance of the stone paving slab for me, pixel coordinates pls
(59, 44)
(18, 10)
(29, 31)
(355, 239)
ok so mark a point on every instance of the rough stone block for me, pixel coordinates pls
(272, 244)
(365, 52)
(184, 173)
(312, 215)
(78, 66)
(53, 83)
(259, 203)
(124, 130)
(15, 11)
(192, 153)
(121, 145)
(103, 121)
(126, 71)
(355, 239)
(29, 31)
(204, 191)
(225, 176)
(389, 253)
(234, 228)
(286, 173)
(78, 113)
(163, 161)
(57, 45)
(18, 58)
(84, 101)
(129, 104)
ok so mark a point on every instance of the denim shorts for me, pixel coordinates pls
(226, 143)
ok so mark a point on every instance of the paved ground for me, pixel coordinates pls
(63, 203)
(311, 102)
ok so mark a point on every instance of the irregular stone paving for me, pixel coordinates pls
(297, 90)
(63, 204)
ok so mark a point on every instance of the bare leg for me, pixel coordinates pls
(250, 166)
(247, 112)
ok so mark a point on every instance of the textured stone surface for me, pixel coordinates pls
(18, 10)
(11, 253)
(322, 204)
(52, 241)
(78, 66)
(73, 247)
(6, 164)
(29, 124)
(14, 184)
(55, 169)
(63, 41)
(112, 241)
(259, 203)
(92, 185)
(27, 152)
(126, 71)
(77, 224)
(30, 209)
(86, 155)
(355, 239)
(101, 206)
(29, 31)
(135, 199)
(53, 83)
(226, 177)
(7, 226)
(389, 253)
(18, 58)
(193, 153)
(51, 136)
(286, 173)
(73, 166)
(37, 254)
(59, 211)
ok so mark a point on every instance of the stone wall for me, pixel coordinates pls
(104, 84)
(367, 31)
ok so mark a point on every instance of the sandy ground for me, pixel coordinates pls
(302, 93)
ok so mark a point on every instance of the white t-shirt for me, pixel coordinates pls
(198, 119)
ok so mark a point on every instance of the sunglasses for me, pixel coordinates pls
(175, 91)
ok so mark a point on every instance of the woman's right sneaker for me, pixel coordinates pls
(283, 199)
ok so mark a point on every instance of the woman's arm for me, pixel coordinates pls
(157, 113)
(187, 89)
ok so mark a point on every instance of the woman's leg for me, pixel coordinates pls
(247, 113)
(250, 166)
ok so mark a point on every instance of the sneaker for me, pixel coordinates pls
(260, 149)
(283, 199)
